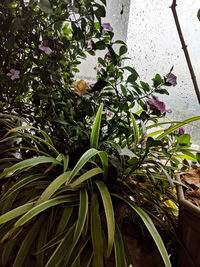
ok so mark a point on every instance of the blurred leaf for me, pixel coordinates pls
(198, 14)
(152, 143)
(184, 139)
(127, 152)
(46, 6)
(198, 157)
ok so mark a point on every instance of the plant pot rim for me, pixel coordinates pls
(181, 198)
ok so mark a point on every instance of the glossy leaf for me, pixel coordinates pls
(96, 128)
(109, 212)
(28, 163)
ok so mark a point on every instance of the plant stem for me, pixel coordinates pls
(184, 47)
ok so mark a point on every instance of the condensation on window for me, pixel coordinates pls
(154, 47)
(117, 13)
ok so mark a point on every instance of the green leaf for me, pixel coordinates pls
(108, 207)
(184, 140)
(152, 143)
(66, 214)
(145, 86)
(83, 211)
(61, 250)
(28, 163)
(101, 61)
(162, 91)
(96, 232)
(7, 250)
(100, 11)
(27, 244)
(198, 157)
(45, 6)
(100, 45)
(135, 129)
(94, 138)
(123, 49)
(16, 212)
(43, 206)
(53, 187)
(89, 174)
(132, 78)
(157, 80)
(83, 160)
(68, 243)
(21, 183)
(120, 256)
(127, 152)
(198, 14)
(150, 226)
(171, 129)
(124, 90)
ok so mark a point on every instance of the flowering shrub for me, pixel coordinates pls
(103, 141)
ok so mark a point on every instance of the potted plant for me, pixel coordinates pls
(189, 214)
(84, 151)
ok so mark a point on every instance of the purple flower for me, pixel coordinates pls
(14, 74)
(47, 50)
(107, 27)
(143, 143)
(107, 55)
(181, 130)
(154, 103)
(110, 113)
(171, 78)
(89, 44)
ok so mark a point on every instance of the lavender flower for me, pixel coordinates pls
(13, 74)
(107, 55)
(171, 78)
(89, 44)
(47, 50)
(107, 27)
(181, 130)
(154, 103)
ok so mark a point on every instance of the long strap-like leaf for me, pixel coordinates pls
(150, 226)
(96, 128)
(108, 207)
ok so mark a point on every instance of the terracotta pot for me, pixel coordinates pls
(189, 230)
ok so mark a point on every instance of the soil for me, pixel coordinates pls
(192, 181)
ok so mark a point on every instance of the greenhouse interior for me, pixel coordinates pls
(99, 133)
